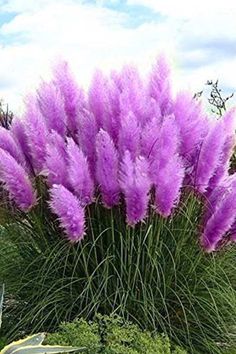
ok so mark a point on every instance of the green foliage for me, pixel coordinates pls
(154, 274)
(112, 335)
(32, 344)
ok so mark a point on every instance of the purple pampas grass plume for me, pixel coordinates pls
(192, 124)
(99, 99)
(221, 221)
(165, 147)
(78, 173)
(37, 133)
(160, 87)
(168, 183)
(166, 168)
(150, 138)
(133, 95)
(229, 120)
(209, 157)
(55, 167)
(69, 211)
(107, 169)
(87, 136)
(19, 134)
(52, 107)
(214, 198)
(16, 182)
(221, 172)
(9, 144)
(129, 135)
(114, 99)
(135, 184)
(73, 95)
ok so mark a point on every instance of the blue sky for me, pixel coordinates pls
(198, 37)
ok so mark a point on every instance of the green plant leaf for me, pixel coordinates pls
(43, 349)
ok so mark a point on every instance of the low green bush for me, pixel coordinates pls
(112, 335)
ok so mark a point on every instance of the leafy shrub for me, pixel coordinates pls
(112, 335)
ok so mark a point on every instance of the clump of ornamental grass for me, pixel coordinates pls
(120, 196)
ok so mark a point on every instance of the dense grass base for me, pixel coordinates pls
(154, 274)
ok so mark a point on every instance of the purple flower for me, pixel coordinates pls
(99, 102)
(18, 132)
(114, 102)
(87, 136)
(133, 97)
(209, 157)
(166, 168)
(229, 125)
(78, 172)
(168, 183)
(69, 211)
(221, 172)
(159, 85)
(129, 136)
(165, 147)
(37, 134)
(55, 167)
(135, 184)
(192, 124)
(16, 181)
(150, 138)
(221, 220)
(51, 105)
(107, 169)
(73, 95)
(214, 198)
(9, 144)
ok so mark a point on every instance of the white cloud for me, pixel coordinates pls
(188, 8)
(90, 36)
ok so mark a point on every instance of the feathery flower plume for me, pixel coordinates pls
(221, 220)
(37, 134)
(69, 211)
(166, 147)
(221, 172)
(159, 85)
(16, 182)
(129, 135)
(87, 136)
(168, 183)
(166, 168)
(52, 107)
(78, 173)
(133, 96)
(215, 196)
(150, 138)
(98, 97)
(107, 169)
(192, 124)
(135, 184)
(18, 132)
(9, 144)
(209, 157)
(74, 99)
(55, 167)
(114, 101)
